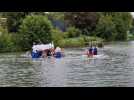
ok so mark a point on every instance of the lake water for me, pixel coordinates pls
(114, 69)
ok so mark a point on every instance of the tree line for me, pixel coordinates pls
(24, 28)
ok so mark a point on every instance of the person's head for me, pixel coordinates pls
(57, 47)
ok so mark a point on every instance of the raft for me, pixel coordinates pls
(36, 55)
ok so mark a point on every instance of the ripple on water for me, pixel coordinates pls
(116, 70)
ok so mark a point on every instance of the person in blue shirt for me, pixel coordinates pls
(95, 51)
(90, 52)
(36, 54)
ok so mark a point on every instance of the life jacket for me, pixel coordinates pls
(58, 55)
(35, 55)
(90, 51)
(95, 51)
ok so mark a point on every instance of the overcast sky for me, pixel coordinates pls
(132, 13)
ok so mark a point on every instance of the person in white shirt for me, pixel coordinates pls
(58, 53)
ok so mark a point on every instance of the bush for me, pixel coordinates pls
(123, 23)
(62, 38)
(72, 42)
(106, 28)
(17, 42)
(6, 43)
(57, 36)
(73, 32)
(35, 28)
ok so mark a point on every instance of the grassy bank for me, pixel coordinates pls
(79, 41)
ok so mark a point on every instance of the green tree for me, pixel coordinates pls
(14, 19)
(73, 32)
(85, 21)
(123, 23)
(132, 28)
(35, 28)
(106, 28)
(6, 42)
(57, 36)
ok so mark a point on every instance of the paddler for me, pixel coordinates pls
(62, 51)
(86, 52)
(90, 51)
(48, 52)
(52, 51)
(58, 52)
(44, 54)
(95, 51)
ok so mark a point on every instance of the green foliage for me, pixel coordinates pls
(17, 42)
(6, 43)
(73, 32)
(130, 36)
(24, 28)
(82, 20)
(36, 28)
(72, 42)
(111, 25)
(2, 30)
(64, 39)
(132, 28)
(57, 36)
(123, 23)
(106, 28)
(14, 19)
(114, 25)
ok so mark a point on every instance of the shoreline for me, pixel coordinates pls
(72, 47)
